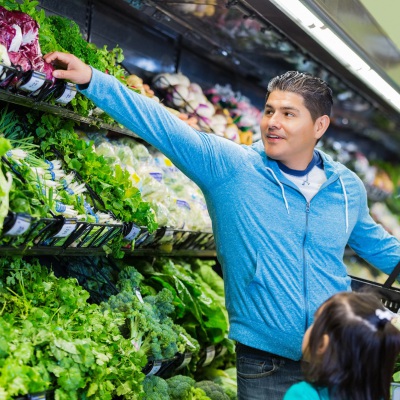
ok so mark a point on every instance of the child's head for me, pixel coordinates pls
(352, 347)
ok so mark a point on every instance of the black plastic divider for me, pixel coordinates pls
(46, 395)
(60, 234)
(390, 296)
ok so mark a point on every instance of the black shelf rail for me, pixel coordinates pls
(31, 103)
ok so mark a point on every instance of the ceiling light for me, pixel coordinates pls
(316, 28)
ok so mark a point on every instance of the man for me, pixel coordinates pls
(282, 214)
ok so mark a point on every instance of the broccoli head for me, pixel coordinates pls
(155, 388)
(180, 387)
(212, 390)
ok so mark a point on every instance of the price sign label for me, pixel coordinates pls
(210, 354)
(155, 368)
(133, 233)
(185, 362)
(35, 82)
(68, 95)
(396, 392)
(68, 227)
(139, 295)
(37, 396)
(21, 225)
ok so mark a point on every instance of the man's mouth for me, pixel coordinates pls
(271, 136)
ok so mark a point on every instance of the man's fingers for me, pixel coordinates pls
(63, 74)
(73, 68)
(62, 58)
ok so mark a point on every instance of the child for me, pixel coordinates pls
(349, 352)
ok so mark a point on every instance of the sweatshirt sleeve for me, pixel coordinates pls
(205, 158)
(371, 241)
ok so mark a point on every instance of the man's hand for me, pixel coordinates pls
(73, 68)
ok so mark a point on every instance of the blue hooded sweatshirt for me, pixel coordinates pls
(281, 257)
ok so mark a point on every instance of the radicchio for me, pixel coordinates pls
(29, 55)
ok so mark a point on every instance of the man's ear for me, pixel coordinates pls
(321, 125)
(323, 345)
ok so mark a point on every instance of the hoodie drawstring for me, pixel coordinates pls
(282, 189)
(346, 203)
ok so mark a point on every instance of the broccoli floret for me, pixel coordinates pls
(162, 303)
(198, 394)
(185, 342)
(155, 388)
(129, 278)
(122, 302)
(180, 387)
(212, 390)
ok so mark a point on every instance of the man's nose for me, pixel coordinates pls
(274, 120)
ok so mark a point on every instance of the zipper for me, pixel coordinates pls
(305, 264)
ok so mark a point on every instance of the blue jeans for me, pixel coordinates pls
(264, 376)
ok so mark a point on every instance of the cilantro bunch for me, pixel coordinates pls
(51, 337)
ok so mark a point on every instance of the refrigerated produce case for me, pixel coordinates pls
(226, 43)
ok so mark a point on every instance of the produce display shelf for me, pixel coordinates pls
(78, 252)
(61, 111)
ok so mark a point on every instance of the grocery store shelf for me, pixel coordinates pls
(86, 251)
(61, 111)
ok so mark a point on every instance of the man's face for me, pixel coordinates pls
(288, 132)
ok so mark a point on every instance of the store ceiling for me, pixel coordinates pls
(386, 13)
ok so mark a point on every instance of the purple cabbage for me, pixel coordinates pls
(29, 55)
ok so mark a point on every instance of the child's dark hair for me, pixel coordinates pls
(359, 360)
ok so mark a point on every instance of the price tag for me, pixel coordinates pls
(185, 362)
(68, 95)
(155, 368)
(139, 295)
(222, 351)
(396, 392)
(210, 354)
(68, 227)
(35, 82)
(21, 225)
(133, 233)
(38, 396)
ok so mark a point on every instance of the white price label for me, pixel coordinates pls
(210, 354)
(155, 368)
(35, 83)
(133, 233)
(139, 295)
(67, 96)
(38, 396)
(66, 229)
(185, 361)
(222, 351)
(21, 225)
(396, 392)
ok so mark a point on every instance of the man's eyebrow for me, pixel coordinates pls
(285, 108)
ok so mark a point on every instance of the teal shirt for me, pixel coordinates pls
(304, 390)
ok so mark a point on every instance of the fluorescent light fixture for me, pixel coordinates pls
(316, 28)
